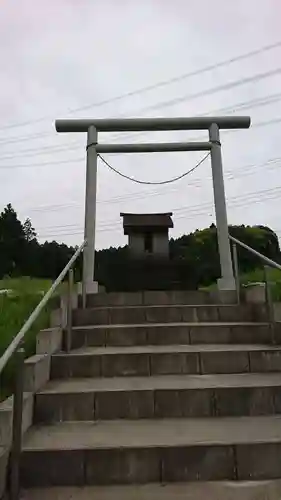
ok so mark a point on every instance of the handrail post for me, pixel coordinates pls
(269, 302)
(69, 310)
(17, 426)
(84, 283)
(236, 271)
(268, 295)
(84, 294)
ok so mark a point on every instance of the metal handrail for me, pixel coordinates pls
(34, 315)
(15, 348)
(268, 261)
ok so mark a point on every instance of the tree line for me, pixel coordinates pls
(195, 254)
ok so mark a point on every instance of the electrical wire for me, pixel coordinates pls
(19, 138)
(246, 170)
(70, 147)
(252, 103)
(41, 151)
(42, 164)
(184, 76)
(157, 85)
(213, 90)
(191, 212)
(75, 145)
(148, 183)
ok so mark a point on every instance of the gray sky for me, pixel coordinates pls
(61, 58)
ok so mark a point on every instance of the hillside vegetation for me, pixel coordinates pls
(196, 254)
(15, 308)
(22, 255)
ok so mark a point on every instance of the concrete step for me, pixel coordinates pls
(165, 396)
(215, 490)
(165, 360)
(190, 297)
(128, 452)
(174, 333)
(169, 314)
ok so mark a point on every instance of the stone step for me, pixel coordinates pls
(128, 452)
(174, 333)
(168, 314)
(190, 297)
(215, 490)
(165, 360)
(165, 396)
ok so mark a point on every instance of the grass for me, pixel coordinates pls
(257, 276)
(15, 308)
(25, 285)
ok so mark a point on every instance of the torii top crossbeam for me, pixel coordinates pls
(152, 124)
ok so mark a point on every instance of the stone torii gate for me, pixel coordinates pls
(212, 124)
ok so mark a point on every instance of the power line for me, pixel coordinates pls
(228, 174)
(73, 145)
(42, 164)
(233, 203)
(253, 103)
(193, 212)
(148, 183)
(15, 139)
(157, 85)
(33, 151)
(183, 76)
(81, 231)
(274, 121)
(50, 151)
(247, 169)
(232, 199)
(263, 124)
(213, 90)
(231, 206)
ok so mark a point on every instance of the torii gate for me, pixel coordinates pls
(212, 124)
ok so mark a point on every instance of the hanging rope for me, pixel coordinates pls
(148, 183)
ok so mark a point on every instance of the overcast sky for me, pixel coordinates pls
(64, 58)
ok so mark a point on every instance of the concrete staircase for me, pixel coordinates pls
(159, 387)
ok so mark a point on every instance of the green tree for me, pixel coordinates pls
(12, 242)
(29, 231)
(194, 257)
